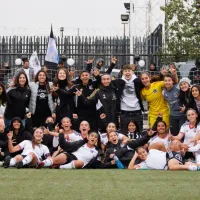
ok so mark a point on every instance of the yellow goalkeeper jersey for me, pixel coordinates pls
(156, 102)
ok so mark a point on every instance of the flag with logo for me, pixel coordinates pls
(34, 62)
(51, 58)
(52, 52)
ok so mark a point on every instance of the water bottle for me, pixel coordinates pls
(118, 162)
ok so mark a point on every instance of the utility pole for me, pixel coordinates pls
(61, 31)
(130, 30)
(149, 18)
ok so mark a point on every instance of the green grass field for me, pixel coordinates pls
(98, 184)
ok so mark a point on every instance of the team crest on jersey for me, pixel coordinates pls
(90, 87)
(114, 97)
(155, 91)
(104, 96)
(178, 157)
(176, 95)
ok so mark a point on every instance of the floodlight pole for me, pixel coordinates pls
(130, 30)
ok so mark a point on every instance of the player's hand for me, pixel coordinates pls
(54, 116)
(89, 61)
(113, 60)
(112, 156)
(28, 115)
(54, 88)
(78, 92)
(182, 108)
(151, 132)
(172, 69)
(56, 128)
(46, 130)
(75, 116)
(171, 137)
(10, 135)
(102, 116)
(61, 131)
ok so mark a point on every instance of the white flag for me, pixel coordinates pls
(98, 105)
(34, 62)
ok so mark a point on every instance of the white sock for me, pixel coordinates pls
(194, 148)
(197, 157)
(27, 159)
(68, 166)
(48, 162)
(12, 162)
(192, 168)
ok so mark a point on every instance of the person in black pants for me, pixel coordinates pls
(106, 102)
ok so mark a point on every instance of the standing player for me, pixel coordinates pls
(152, 93)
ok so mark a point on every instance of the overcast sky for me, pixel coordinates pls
(92, 17)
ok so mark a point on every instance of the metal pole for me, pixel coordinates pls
(124, 30)
(124, 45)
(131, 31)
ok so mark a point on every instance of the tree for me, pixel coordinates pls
(183, 28)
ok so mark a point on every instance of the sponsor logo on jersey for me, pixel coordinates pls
(155, 91)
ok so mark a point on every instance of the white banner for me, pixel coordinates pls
(34, 62)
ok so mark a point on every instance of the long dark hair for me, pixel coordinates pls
(137, 130)
(16, 82)
(198, 88)
(3, 96)
(192, 103)
(56, 80)
(184, 97)
(46, 82)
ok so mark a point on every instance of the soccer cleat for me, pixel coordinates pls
(40, 165)
(19, 165)
(7, 162)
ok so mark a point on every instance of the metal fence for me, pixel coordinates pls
(82, 48)
(6, 75)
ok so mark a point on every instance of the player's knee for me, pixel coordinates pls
(171, 167)
(78, 164)
(32, 154)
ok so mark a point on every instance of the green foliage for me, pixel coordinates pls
(183, 28)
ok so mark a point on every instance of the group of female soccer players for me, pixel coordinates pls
(76, 123)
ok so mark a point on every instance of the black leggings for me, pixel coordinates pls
(176, 123)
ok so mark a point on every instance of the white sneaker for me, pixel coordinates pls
(1, 163)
